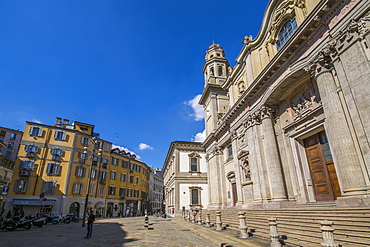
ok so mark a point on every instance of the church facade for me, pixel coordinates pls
(289, 124)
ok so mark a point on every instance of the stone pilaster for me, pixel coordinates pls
(238, 179)
(273, 164)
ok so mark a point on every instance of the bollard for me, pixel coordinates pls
(189, 215)
(193, 216)
(199, 217)
(218, 221)
(327, 234)
(242, 225)
(274, 235)
(146, 221)
(208, 220)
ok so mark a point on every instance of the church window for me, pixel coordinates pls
(286, 32)
(212, 71)
(219, 70)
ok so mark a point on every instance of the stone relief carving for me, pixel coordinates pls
(302, 5)
(241, 87)
(302, 101)
(323, 61)
(246, 170)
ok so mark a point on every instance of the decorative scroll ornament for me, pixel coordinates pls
(283, 12)
(302, 101)
(302, 5)
(234, 135)
(241, 87)
(266, 112)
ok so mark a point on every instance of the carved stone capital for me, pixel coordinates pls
(323, 62)
(266, 112)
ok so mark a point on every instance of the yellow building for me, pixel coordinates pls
(56, 166)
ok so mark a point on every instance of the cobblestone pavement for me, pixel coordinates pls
(107, 232)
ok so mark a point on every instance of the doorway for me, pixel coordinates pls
(322, 169)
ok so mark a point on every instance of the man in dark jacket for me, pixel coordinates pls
(90, 221)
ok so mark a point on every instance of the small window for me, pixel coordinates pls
(13, 136)
(2, 133)
(27, 164)
(103, 175)
(136, 193)
(8, 154)
(194, 197)
(194, 164)
(77, 188)
(53, 169)
(129, 192)
(123, 177)
(20, 185)
(138, 168)
(60, 135)
(11, 145)
(35, 131)
(122, 193)
(113, 175)
(286, 32)
(31, 148)
(114, 161)
(137, 180)
(85, 141)
(101, 190)
(230, 151)
(131, 166)
(111, 190)
(94, 173)
(124, 164)
(48, 187)
(56, 151)
(80, 171)
(131, 179)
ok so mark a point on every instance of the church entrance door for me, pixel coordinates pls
(323, 174)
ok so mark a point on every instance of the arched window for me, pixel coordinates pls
(286, 32)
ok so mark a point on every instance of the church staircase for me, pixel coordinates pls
(301, 226)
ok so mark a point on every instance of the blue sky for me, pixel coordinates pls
(133, 68)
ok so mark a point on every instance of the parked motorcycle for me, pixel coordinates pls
(39, 222)
(56, 219)
(70, 218)
(16, 222)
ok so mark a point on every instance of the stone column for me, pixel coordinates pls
(257, 197)
(242, 225)
(274, 235)
(218, 221)
(327, 234)
(339, 136)
(274, 168)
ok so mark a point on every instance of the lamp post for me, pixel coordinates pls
(94, 142)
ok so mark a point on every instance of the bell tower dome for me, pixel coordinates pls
(215, 68)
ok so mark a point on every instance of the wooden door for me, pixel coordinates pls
(235, 194)
(319, 172)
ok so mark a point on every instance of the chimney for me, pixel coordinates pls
(65, 122)
(58, 121)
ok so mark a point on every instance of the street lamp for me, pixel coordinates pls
(94, 141)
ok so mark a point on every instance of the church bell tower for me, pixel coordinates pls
(215, 99)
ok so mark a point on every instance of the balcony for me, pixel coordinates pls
(24, 173)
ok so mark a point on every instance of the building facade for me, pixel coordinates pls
(185, 178)
(59, 166)
(288, 124)
(9, 144)
(156, 192)
(12, 139)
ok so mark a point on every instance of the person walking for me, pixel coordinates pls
(90, 221)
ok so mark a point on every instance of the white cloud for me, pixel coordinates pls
(126, 150)
(200, 137)
(36, 121)
(198, 114)
(144, 146)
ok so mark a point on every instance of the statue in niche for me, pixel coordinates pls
(246, 170)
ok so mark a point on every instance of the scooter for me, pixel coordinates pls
(56, 219)
(70, 217)
(39, 222)
(16, 222)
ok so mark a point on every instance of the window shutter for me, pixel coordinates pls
(55, 134)
(40, 132)
(31, 130)
(48, 168)
(64, 136)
